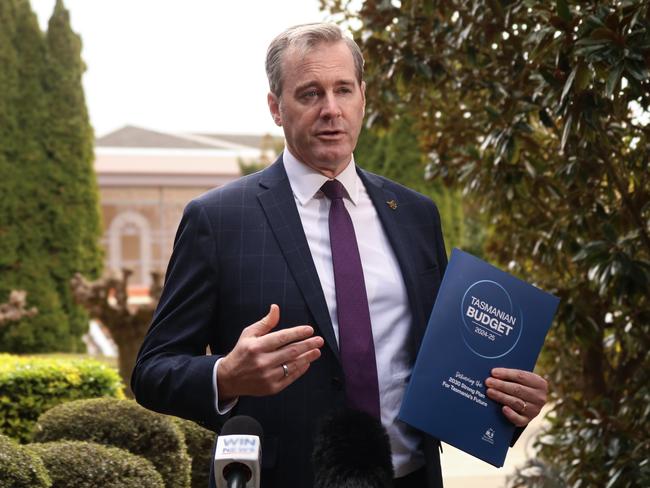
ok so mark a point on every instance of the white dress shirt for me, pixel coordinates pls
(390, 315)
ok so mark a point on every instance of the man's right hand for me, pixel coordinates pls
(254, 366)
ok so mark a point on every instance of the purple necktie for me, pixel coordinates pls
(355, 332)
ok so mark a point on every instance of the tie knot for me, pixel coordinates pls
(333, 189)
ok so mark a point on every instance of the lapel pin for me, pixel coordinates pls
(392, 204)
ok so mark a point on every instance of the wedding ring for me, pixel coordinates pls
(285, 370)
(523, 409)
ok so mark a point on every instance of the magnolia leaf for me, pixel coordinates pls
(603, 33)
(566, 132)
(595, 20)
(496, 7)
(514, 150)
(530, 169)
(639, 73)
(567, 84)
(563, 10)
(613, 79)
(492, 112)
(583, 76)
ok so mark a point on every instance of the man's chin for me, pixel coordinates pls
(327, 163)
(334, 161)
(333, 153)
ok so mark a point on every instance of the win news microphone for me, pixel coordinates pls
(352, 450)
(238, 453)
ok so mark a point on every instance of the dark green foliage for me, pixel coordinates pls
(20, 468)
(529, 105)
(394, 152)
(534, 474)
(49, 220)
(31, 386)
(75, 216)
(25, 266)
(9, 237)
(269, 143)
(124, 424)
(73, 464)
(199, 443)
(248, 168)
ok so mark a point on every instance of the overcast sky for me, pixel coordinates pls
(182, 65)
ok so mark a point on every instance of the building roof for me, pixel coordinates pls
(252, 140)
(131, 136)
(135, 156)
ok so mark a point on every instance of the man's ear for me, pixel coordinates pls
(363, 96)
(274, 108)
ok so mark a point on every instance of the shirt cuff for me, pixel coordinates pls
(221, 409)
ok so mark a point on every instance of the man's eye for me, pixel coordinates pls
(310, 94)
(345, 89)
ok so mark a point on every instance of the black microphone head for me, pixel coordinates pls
(237, 458)
(242, 425)
(352, 450)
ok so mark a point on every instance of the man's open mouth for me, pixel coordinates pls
(329, 133)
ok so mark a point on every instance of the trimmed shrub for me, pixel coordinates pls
(30, 385)
(74, 464)
(124, 424)
(199, 443)
(20, 468)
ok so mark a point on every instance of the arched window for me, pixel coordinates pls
(129, 246)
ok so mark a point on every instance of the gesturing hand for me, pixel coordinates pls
(255, 365)
(522, 393)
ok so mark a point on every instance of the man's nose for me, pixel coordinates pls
(330, 108)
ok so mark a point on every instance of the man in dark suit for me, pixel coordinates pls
(290, 273)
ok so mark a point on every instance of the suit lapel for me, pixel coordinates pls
(392, 218)
(277, 201)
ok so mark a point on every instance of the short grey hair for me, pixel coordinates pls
(305, 37)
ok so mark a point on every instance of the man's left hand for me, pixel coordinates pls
(522, 393)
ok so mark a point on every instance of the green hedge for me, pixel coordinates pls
(73, 464)
(20, 468)
(30, 386)
(199, 443)
(124, 424)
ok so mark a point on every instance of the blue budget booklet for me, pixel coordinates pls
(483, 318)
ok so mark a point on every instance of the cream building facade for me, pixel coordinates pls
(147, 177)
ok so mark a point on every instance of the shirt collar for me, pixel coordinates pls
(306, 182)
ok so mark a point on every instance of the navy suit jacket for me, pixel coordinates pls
(241, 247)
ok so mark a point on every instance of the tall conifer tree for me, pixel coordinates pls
(27, 218)
(8, 129)
(44, 238)
(76, 219)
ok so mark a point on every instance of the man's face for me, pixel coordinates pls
(321, 106)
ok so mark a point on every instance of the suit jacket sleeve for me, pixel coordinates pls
(173, 375)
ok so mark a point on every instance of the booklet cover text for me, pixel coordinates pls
(483, 318)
